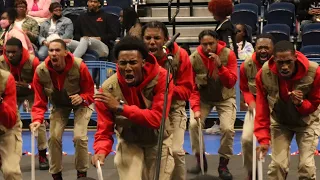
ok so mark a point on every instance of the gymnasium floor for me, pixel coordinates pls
(110, 173)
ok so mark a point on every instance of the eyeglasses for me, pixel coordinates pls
(57, 10)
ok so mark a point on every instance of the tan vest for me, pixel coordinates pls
(71, 84)
(285, 112)
(131, 132)
(26, 74)
(210, 89)
(251, 71)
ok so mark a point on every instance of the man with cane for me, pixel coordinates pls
(155, 36)
(248, 72)
(287, 105)
(131, 103)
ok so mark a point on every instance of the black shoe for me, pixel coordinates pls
(197, 168)
(81, 174)
(57, 176)
(223, 170)
(43, 163)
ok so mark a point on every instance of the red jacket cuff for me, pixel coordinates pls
(265, 141)
(304, 108)
(195, 108)
(102, 152)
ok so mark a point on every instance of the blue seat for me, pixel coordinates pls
(278, 31)
(311, 34)
(246, 13)
(311, 51)
(120, 3)
(112, 10)
(282, 13)
(259, 3)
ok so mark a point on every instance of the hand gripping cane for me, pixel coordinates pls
(254, 154)
(99, 171)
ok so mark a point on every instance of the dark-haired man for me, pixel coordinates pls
(248, 71)
(66, 81)
(130, 103)
(155, 35)
(287, 105)
(22, 66)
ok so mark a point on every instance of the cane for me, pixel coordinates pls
(99, 171)
(34, 134)
(201, 146)
(254, 147)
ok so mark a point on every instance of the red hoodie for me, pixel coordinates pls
(150, 118)
(262, 119)
(227, 74)
(41, 100)
(183, 86)
(16, 70)
(8, 107)
(248, 96)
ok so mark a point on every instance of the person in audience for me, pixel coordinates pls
(55, 27)
(245, 48)
(22, 66)
(25, 23)
(155, 35)
(130, 23)
(135, 114)
(10, 128)
(287, 105)
(8, 18)
(248, 71)
(308, 12)
(39, 9)
(64, 80)
(215, 71)
(94, 30)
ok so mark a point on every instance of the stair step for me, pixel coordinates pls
(181, 1)
(178, 19)
(184, 39)
(189, 31)
(198, 11)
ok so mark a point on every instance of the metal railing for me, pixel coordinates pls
(172, 19)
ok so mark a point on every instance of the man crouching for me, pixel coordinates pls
(131, 102)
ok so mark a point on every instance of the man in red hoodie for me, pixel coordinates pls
(66, 81)
(131, 103)
(10, 128)
(248, 72)
(287, 105)
(155, 35)
(215, 69)
(22, 65)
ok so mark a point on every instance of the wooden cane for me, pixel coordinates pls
(34, 134)
(201, 146)
(99, 171)
(254, 147)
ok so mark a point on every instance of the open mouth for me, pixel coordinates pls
(263, 57)
(129, 78)
(54, 60)
(284, 73)
(153, 50)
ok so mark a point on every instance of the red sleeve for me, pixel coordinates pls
(248, 97)
(35, 64)
(8, 107)
(311, 104)
(183, 86)
(103, 139)
(228, 74)
(194, 99)
(151, 118)
(262, 119)
(86, 85)
(40, 101)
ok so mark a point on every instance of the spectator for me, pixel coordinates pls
(55, 27)
(130, 23)
(308, 12)
(10, 30)
(39, 9)
(93, 30)
(25, 23)
(245, 48)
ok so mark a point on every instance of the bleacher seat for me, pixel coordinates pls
(282, 13)
(246, 13)
(278, 31)
(311, 51)
(112, 10)
(259, 3)
(311, 34)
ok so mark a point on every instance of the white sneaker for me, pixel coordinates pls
(215, 129)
